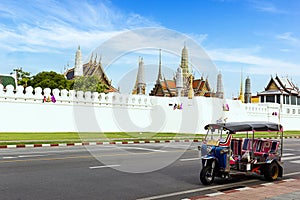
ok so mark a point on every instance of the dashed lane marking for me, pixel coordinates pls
(292, 174)
(21, 156)
(30, 156)
(288, 154)
(290, 158)
(8, 157)
(295, 161)
(189, 159)
(145, 149)
(104, 166)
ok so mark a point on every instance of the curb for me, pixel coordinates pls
(91, 143)
(216, 194)
(112, 142)
(284, 137)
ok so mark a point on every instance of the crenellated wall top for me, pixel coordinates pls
(39, 95)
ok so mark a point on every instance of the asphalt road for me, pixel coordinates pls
(137, 171)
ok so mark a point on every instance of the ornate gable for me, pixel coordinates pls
(273, 85)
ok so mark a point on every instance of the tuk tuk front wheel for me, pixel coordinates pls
(207, 175)
(271, 171)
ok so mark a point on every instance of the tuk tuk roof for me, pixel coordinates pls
(247, 126)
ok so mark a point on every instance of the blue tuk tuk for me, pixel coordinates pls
(222, 155)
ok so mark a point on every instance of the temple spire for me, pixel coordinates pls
(179, 81)
(78, 69)
(241, 96)
(184, 62)
(159, 77)
(247, 90)
(219, 93)
(141, 85)
(95, 61)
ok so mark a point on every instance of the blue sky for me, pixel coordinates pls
(261, 38)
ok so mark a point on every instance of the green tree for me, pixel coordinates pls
(22, 76)
(54, 80)
(89, 83)
(50, 80)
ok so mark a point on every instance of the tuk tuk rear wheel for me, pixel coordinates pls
(271, 171)
(207, 175)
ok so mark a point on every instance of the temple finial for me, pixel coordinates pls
(159, 77)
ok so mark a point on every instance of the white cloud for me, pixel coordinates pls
(51, 26)
(288, 37)
(266, 6)
(285, 50)
(253, 63)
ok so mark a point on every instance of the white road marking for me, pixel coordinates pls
(295, 161)
(104, 166)
(287, 154)
(193, 190)
(290, 158)
(289, 149)
(290, 179)
(30, 156)
(291, 174)
(244, 188)
(22, 156)
(214, 194)
(189, 159)
(267, 184)
(8, 157)
(177, 146)
(146, 149)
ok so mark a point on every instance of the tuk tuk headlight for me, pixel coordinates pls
(209, 149)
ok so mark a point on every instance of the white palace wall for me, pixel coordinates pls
(77, 111)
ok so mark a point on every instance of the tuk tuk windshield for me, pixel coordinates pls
(215, 135)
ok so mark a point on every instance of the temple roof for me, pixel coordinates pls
(280, 86)
(168, 84)
(89, 69)
(271, 92)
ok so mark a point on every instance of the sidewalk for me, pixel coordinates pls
(288, 189)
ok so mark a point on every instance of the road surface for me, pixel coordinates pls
(136, 171)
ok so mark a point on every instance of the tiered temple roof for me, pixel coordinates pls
(280, 87)
(168, 88)
(93, 68)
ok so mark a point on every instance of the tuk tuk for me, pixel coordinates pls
(223, 156)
